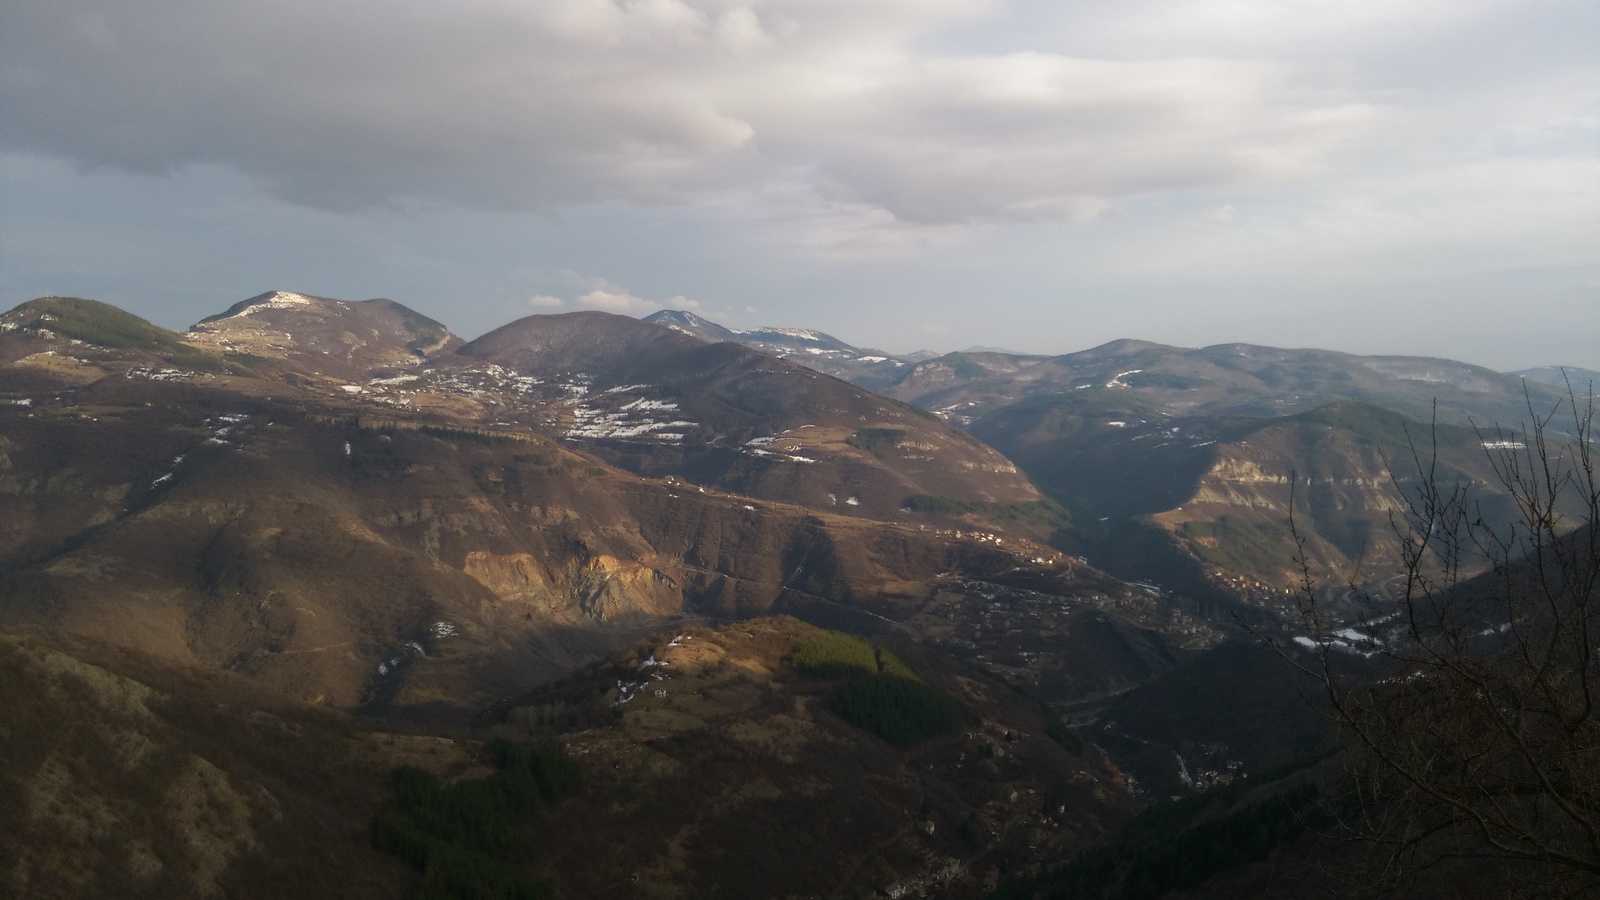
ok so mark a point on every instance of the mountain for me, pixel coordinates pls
(1186, 459)
(681, 320)
(659, 403)
(334, 338)
(417, 570)
(45, 337)
(248, 570)
(871, 369)
(420, 544)
(1207, 499)
(1141, 436)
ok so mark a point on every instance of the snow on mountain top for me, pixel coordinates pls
(278, 300)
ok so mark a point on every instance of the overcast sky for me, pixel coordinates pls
(1375, 176)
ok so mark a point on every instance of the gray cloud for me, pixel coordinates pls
(543, 105)
(350, 104)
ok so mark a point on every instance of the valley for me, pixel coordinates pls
(248, 570)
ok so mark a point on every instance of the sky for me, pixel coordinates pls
(1374, 176)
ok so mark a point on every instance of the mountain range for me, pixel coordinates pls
(1179, 465)
(337, 519)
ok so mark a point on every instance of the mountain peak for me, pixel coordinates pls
(1121, 347)
(268, 300)
(575, 341)
(685, 322)
(339, 338)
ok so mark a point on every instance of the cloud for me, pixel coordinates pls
(545, 301)
(494, 104)
(612, 298)
(616, 301)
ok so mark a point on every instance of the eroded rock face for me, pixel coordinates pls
(514, 578)
(1340, 485)
(601, 589)
(610, 590)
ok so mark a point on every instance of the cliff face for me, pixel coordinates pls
(1351, 474)
(1337, 485)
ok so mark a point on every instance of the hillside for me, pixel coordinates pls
(723, 758)
(42, 334)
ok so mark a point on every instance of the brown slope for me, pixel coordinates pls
(426, 572)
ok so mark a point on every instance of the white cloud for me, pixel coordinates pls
(545, 301)
(616, 301)
(612, 298)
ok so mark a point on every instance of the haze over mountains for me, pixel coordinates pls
(344, 507)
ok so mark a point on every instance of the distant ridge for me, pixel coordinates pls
(1122, 347)
(688, 323)
(1560, 376)
(983, 348)
(872, 369)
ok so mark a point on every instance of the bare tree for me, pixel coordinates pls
(1468, 705)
